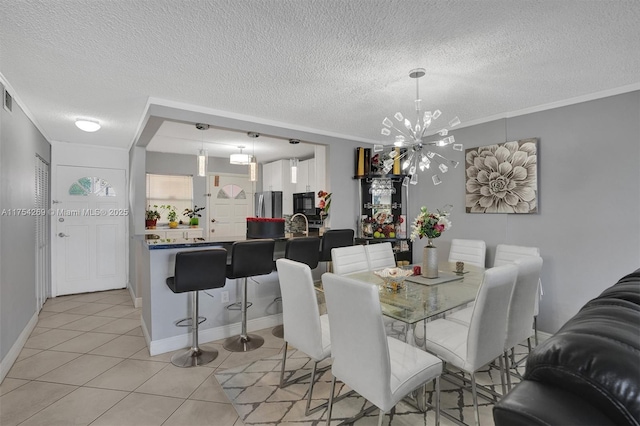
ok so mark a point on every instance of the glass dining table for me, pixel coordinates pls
(421, 299)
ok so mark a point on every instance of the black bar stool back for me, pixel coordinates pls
(304, 250)
(248, 259)
(195, 271)
(335, 238)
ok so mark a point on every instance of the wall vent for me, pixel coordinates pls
(7, 99)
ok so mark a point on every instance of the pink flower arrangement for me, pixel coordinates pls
(430, 225)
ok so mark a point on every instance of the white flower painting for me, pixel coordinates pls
(502, 178)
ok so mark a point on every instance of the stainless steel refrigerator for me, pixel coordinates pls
(268, 204)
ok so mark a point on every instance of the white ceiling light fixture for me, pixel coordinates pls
(240, 159)
(88, 125)
(417, 154)
(203, 157)
(294, 170)
(253, 164)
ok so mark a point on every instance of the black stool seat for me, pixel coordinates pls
(195, 271)
(248, 259)
(304, 250)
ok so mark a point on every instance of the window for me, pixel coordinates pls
(232, 191)
(92, 186)
(173, 190)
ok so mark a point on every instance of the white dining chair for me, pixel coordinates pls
(381, 369)
(521, 313)
(472, 252)
(380, 256)
(471, 347)
(520, 316)
(304, 327)
(348, 260)
(506, 253)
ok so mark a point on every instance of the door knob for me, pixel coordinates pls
(62, 234)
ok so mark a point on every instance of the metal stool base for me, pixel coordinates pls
(193, 358)
(243, 344)
(278, 331)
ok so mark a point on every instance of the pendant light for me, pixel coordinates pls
(253, 165)
(203, 157)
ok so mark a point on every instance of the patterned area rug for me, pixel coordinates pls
(254, 391)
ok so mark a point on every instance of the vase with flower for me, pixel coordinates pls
(430, 225)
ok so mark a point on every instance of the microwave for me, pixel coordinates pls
(305, 203)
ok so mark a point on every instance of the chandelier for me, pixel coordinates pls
(416, 153)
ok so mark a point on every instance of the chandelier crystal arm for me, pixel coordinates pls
(415, 138)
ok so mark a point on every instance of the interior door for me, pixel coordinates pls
(230, 203)
(89, 217)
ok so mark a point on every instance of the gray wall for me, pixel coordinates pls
(588, 223)
(20, 141)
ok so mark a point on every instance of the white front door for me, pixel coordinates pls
(230, 203)
(89, 218)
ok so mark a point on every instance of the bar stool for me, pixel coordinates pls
(248, 259)
(334, 238)
(195, 271)
(304, 250)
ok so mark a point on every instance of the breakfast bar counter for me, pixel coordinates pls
(162, 309)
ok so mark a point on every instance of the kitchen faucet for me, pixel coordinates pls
(306, 222)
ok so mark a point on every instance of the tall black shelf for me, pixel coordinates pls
(370, 206)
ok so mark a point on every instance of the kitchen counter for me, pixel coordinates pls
(161, 308)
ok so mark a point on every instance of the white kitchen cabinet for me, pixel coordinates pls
(277, 177)
(306, 176)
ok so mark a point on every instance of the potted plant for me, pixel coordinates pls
(193, 215)
(151, 217)
(172, 216)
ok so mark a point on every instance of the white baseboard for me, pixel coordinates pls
(169, 344)
(137, 301)
(8, 361)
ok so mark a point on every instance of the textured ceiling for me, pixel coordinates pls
(334, 66)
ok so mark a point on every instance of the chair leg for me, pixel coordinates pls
(380, 418)
(508, 368)
(474, 393)
(535, 330)
(437, 400)
(529, 344)
(330, 407)
(245, 342)
(312, 381)
(284, 360)
(194, 356)
(503, 380)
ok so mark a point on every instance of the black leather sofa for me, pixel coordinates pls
(588, 373)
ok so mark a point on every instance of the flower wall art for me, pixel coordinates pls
(502, 178)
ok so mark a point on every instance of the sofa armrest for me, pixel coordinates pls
(534, 403)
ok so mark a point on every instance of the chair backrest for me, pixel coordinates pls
(468, 251)
(523, 299)
(380, 256)
(507, 254)
(347, 260)
(301, 316)
(358, 341)
(199, 270)
(304, 249)
(488, 325)
(250, 258)
(334, 238)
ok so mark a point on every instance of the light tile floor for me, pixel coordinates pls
(87, 363)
